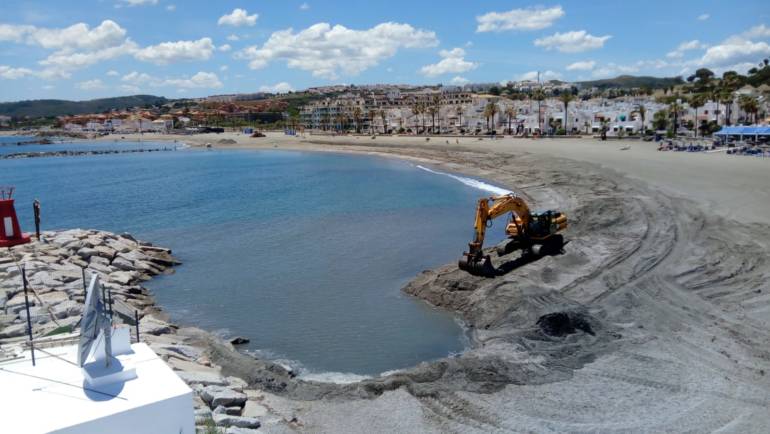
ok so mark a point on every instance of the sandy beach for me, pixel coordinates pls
(667, 262)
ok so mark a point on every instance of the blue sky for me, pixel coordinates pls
(89, 49)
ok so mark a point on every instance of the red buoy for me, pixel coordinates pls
(10, 232)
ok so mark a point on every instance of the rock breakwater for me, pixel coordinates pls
(55, 268)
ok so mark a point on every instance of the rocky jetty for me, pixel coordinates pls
(18, 155)
(55, 268)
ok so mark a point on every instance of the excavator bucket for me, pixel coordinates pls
(482, 267)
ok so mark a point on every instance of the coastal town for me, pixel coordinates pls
(696, 107)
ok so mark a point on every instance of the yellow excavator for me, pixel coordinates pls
(536, 234)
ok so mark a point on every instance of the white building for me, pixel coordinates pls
(56, 395)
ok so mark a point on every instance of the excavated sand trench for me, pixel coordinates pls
(654, 319)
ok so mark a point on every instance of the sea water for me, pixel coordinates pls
(303, 253)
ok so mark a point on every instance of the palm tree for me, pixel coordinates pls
(539, 96)
(372, 115)
(416, 111)
(642, 114)
(674, 109)
(357, 118)
(383, 117)
(565, 98)
(432, 111)
(490, 111)
(696, 101)
(511, 113)
(435, 108)
(749, 105)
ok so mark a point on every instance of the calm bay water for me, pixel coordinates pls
(303, 253)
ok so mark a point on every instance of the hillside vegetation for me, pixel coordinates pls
(630, 81)
(57, 107)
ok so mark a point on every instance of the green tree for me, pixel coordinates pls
(490, 110)
(566, 98)
(660, 120)
(357, 118)
(511, 113)
(750, 106)
(697, 101)
(539, 96)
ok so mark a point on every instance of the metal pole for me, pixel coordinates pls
(36, 209)
(85, 289)
(109, 297)
(29, 318)
(136, 323)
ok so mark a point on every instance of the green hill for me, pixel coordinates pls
(630, 81)
(57, 107)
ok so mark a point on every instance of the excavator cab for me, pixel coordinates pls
(533, 233)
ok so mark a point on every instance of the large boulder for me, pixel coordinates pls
(217, 395)
(235, 421)
(205, 378)
(87, 252)
(123, 264)
(67, 309)
(13, 331)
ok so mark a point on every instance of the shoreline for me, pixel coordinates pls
(651, 273)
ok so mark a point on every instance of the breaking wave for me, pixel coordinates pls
(470, 182)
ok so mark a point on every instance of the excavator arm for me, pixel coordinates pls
(500, 205)
(543, 228)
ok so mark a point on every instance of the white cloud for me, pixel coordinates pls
(585, 65)
(94, 84)
(459, 81)
(140, 2)
(519, 19)
(327, 51)
(11, 73)
(171, 8)
(224, 47)
(224, 68)
(112, 73)
(453, 61)
(48, 87)
(233, 38)
(61, 63)
(761, 31)
(76, 46)
(170, 52)
(282, 87)
(686, 46)
(304, 6)
(73, 38)
(734, 51)
(201, 80)
(544, 76)
(703, 17)
(139, 79)
(613, 70)
(237, 18)
(128, 88)
(572, 42)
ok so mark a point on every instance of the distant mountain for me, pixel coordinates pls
(630, 81)
(57, 107)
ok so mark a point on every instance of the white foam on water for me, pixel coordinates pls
(475, 183)
(334, 377)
